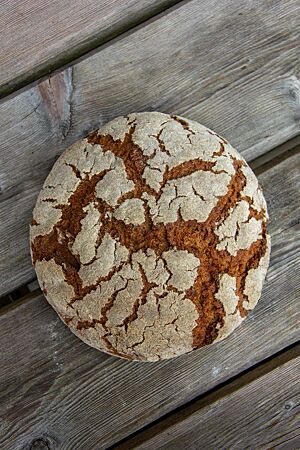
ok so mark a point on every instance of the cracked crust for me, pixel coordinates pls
(149, 237)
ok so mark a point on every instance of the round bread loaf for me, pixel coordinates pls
(149, 237)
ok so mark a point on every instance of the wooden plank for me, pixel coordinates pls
(262, 414)
(40, 36)
(174, 64)
(55, 387)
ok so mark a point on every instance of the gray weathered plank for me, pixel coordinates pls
(55, 387)
(39, 36)
(262, 414)
(230, 65)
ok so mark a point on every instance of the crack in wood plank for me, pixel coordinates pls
(56, 95)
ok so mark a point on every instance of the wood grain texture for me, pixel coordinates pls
(39, 36)
(54, 387)
(232, 66)
(262, 414)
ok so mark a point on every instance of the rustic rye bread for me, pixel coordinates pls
(149, 237)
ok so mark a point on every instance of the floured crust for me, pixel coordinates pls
(149, 237)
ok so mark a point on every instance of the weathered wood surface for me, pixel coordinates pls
(263, 414)
(39, 36)
(191, 62)
(54, 387)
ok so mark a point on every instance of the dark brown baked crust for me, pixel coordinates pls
(196, 237)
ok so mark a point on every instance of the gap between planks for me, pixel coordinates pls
(19, 296)
(275, 155)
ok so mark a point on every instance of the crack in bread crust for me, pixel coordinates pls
(181, 193)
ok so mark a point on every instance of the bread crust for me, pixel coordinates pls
(149, 237)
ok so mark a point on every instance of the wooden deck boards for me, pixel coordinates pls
(174, 64)
(259, 410)
(40, 36)
(54, 385)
